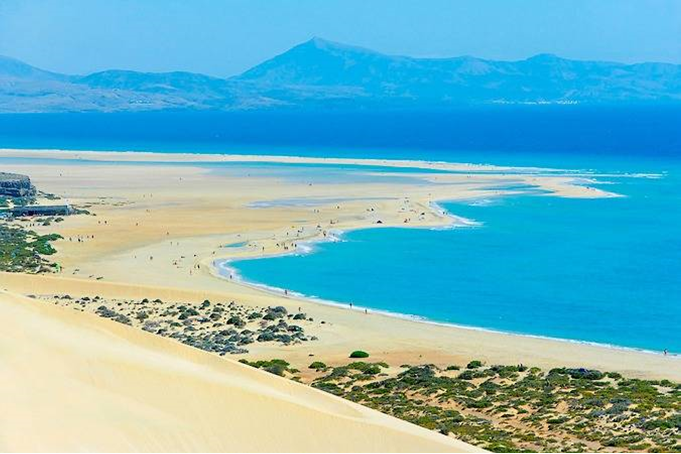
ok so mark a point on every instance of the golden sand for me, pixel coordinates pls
(74, 382)
(157, 230)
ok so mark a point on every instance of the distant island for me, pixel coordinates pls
(320, 73)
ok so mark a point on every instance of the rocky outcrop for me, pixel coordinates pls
(17, 186)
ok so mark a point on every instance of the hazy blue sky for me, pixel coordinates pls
(226, 37)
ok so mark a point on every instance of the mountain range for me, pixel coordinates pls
(324, 74)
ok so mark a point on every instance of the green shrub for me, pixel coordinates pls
(466, 375)
(276, 369)
(365, 368)
(474, 364)
(273, 366)
(359, 354)
(317, 365)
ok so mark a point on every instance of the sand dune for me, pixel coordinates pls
(70, 381)
(86, 384)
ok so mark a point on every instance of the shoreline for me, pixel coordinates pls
(336, 235)
(187, 223)
(185, 157)
(571, 176)
(17, 283)
(189, 157)
(222, 263)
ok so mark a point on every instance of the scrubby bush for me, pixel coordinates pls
(359, 354)
(236, 321)
(317, 365)
(276, 369)
(466, 375)
(474, 364)
(274, 366)
(580, 373)
(366, 368)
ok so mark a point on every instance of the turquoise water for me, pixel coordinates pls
(603, 270)
(237, 245)
(606, 271)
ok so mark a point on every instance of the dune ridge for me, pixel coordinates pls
(112, 388)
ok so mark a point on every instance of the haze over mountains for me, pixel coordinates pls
(320, 73)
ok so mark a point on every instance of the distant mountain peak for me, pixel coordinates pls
(324, 74)
(11, 67)
(327, 45)
(319, 42)
(547, 57)
(5, 59)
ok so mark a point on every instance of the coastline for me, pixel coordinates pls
(185, 157)
(222, 263)
(168, 229)
(160, 156)
(306, 247)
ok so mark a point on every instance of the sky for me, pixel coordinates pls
(226, 37)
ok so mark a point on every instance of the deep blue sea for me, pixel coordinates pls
(606, 270)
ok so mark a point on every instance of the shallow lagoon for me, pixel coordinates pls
(604, 270)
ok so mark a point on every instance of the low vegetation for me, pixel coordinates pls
(23, 250)
(317, 365)
(513, 408)
(216, 327)
(274, 366)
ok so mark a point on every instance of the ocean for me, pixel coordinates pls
(605, 271)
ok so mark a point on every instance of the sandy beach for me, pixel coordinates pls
(161, 221)
(164, 225)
